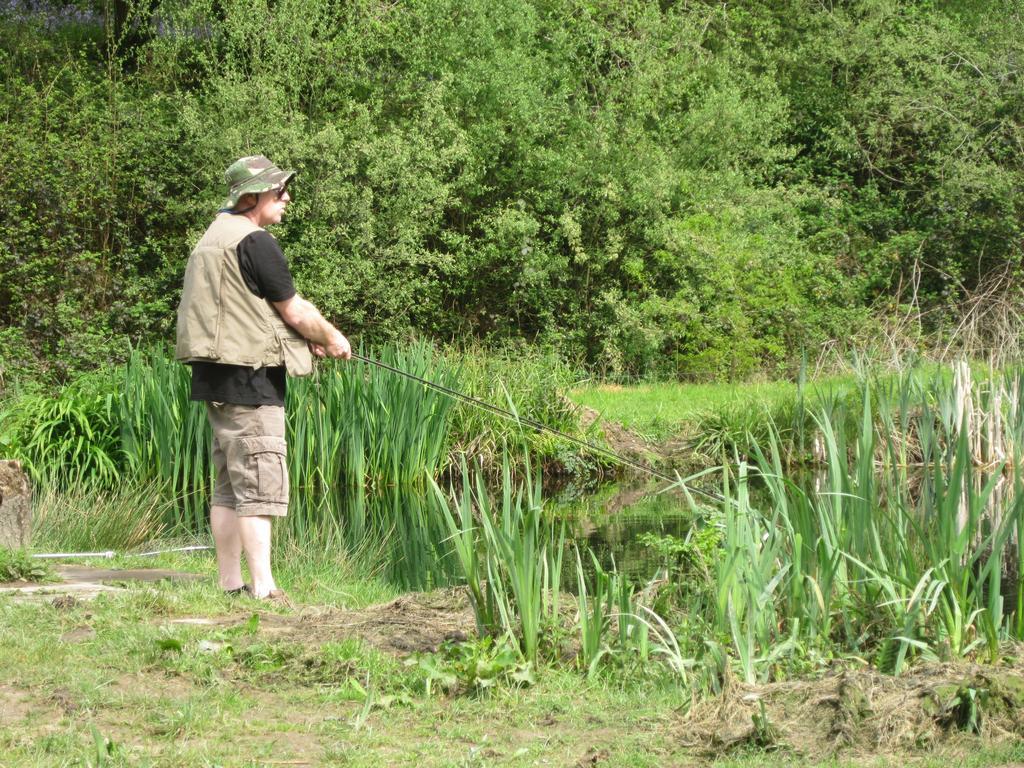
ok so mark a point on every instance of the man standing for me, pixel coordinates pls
(241, 326)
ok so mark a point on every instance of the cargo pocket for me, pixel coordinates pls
(266, 474)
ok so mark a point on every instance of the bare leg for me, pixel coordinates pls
(255, 535)
(224, 524)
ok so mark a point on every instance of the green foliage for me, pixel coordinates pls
(964, 711)
(766, 734)
(19, 565)
(689, 564)
(689, 190)
(475, 666)
(693, 553)
(71, 438)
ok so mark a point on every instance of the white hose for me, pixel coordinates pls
(110, 553)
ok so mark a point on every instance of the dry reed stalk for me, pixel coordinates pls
(1012, 405)
(997, 451)
(963, 410)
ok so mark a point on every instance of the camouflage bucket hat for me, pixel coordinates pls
(253, 174)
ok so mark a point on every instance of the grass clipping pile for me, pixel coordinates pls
(413, 623)
(862, 712)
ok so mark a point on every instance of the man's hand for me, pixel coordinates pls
(339, 347)
(323, 338)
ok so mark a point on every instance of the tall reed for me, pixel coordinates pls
(510, 556)
(355, 422)
(164, 435)
(351, 424)
(906, 544)
(88, 517)
(593, 614)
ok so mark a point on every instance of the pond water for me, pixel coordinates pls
(609, 521)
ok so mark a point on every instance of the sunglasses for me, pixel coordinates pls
(279, 193)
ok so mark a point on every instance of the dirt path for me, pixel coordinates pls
(621, 440)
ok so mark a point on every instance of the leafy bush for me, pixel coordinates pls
(475, 666)
(72, 437)
(696, 190)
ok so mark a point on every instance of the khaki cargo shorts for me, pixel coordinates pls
(249, 457)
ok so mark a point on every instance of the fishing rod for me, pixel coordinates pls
(538, 426)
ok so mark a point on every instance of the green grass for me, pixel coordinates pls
(143, 689)
(165, 693)
(999, 756)
(661, 411)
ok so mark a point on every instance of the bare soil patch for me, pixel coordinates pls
(673, 453)
(14, 704)
(623, 441)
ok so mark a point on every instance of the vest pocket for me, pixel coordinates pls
(297, 359)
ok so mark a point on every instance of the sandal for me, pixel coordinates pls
(277, 596)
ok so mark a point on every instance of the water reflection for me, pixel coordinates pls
(402, 529)
(611, 523)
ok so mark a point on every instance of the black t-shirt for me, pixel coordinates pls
(266, 273)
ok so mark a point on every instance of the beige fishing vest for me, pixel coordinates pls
(220, 320)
